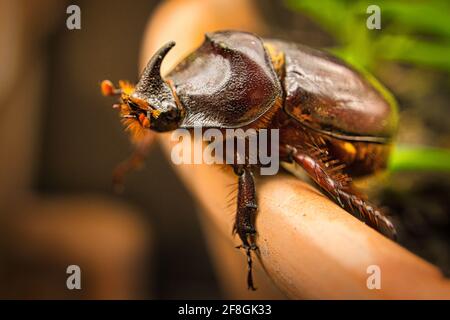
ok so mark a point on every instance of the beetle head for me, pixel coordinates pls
(153, 91)
(152, 104)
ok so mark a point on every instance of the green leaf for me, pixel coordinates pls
(401, 38)
(431, 16)
(419, 158)
(406, 49)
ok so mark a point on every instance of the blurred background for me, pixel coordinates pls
(60, 140)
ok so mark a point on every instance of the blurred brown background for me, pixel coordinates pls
(60, 141)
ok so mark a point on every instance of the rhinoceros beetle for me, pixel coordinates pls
(333, 121)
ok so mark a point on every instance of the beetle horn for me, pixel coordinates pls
(151, 76)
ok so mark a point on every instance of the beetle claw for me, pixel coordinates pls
(248, 250)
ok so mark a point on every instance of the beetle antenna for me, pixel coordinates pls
(108, 89)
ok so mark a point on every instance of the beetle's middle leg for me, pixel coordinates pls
(247, 206)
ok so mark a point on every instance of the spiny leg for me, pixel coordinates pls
(245, 216)
(332, 180)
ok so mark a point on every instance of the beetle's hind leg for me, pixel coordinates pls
(338, 186)
(247, 206)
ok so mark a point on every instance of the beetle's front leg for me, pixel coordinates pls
(134, 161)
(245, 215)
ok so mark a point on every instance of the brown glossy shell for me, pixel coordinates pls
(325, 94)
(228, 82)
